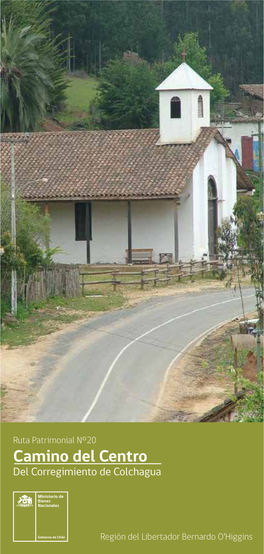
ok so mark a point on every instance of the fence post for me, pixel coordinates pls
(167, 273)
(203, 268)
(142, 280)
(114, 281)
(180, 270)
(191, 266)
(83, 285)
(155, 278)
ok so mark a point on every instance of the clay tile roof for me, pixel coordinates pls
(104, 165)
(254, 90)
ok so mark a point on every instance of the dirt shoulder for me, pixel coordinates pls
(196, 384)
(18, 370)
(134, 297)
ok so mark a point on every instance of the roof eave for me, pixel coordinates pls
(183, 88)
(101, 199)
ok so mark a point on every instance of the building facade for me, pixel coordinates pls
(110, 192)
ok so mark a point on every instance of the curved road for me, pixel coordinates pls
(111, 368)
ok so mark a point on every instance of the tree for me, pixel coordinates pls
(250, 409)
(250, 405)
(196, 58)
(250, 240)
(31, 250)
(244, 230)
(231, 32)
(25, 79)
(39, 16)
(126, 98)
(32, 230)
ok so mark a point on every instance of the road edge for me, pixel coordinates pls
(185, 351)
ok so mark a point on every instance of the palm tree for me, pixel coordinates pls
(25, 80)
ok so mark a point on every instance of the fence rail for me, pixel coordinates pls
(165, 275)
(168, 273)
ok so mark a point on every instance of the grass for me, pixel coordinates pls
(216, 350)
(2, 394)
(45, 318)
(80, 93)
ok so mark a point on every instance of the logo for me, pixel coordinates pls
(25, 501)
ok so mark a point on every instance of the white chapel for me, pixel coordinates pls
(111, 192)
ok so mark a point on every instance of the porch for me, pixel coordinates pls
(115, 229)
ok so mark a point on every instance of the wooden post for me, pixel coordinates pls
(83, 285)
(176, 233)
(114, 281)
(167, 273)
(87, 232)
(155, 278)
(129, 231)
(47, 238)
(235, 368)
(191, 266)
(180, 270)
(142, 280)
(203, 262)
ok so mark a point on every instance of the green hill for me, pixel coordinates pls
(81, 91)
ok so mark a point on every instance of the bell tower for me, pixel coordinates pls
(184, 105)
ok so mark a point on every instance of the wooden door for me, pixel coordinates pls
(212, 219)
(247, 152)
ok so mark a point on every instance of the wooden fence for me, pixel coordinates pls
(154, 275)
(58, 280)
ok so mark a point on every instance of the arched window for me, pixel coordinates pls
(200, 106)
(175, 108)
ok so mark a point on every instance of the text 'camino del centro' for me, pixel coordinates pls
(103, 458)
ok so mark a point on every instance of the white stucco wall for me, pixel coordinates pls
(193, 211)
(186, 128)
(63, 234)
(109, 231)
(235, 131)
(185, 223)
(152, 227)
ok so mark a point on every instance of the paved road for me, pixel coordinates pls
(111, 368)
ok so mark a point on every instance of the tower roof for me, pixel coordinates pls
(184, 78)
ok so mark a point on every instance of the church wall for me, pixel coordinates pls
(213, 164)
(152, 227)
(63, 234)
(109, 228)
(185, 223)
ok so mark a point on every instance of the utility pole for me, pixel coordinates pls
(12, 142)
(13, 232)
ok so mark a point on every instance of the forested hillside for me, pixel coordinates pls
(43, 40)
(230, 30)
